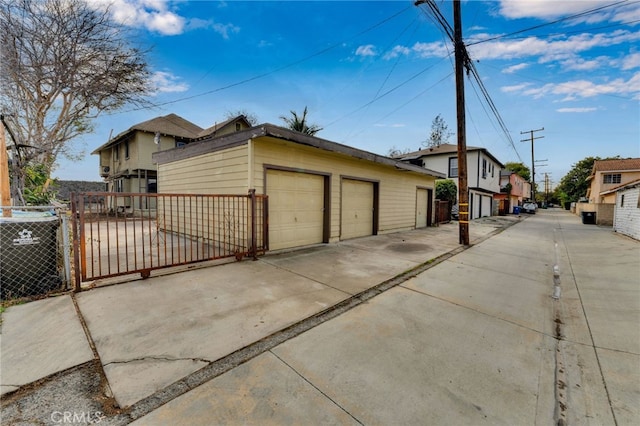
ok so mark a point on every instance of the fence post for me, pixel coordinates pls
(254, 240)
(66, 249)
(75, 211)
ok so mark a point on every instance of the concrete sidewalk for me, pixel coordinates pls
(475, 339)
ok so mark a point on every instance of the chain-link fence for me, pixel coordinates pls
(35, 252)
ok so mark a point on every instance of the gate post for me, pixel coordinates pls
(254, 240)
(76, 242)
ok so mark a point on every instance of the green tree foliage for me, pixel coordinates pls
(447, 190)
(520, 169)
(38, 186)
(63, 63)
(574, 184)
(300, 124)
(440, 133)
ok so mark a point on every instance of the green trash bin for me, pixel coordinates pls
(28, 256)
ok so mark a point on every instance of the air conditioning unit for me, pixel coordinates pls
(105, 170)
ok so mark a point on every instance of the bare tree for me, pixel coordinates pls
(439, 133)
(251, 117)
(63, 63)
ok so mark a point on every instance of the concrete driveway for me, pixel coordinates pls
(147, 334)
(473, 338)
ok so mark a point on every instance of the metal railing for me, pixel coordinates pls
(35, 251)
(125, 233)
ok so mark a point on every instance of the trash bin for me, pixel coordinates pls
(516, 209)
(567, 205)
(589, 218)
(28, 256)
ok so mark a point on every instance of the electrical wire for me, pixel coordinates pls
(274, 71)
(471, 70)
(546, 24)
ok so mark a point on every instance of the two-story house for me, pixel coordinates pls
(514, 190)
(125, 160)
(609, 174)
(483, 173)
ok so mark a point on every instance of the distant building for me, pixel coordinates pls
(483, 173)
(514, 190)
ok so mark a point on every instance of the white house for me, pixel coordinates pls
(483, 173)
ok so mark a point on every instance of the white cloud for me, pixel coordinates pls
(576, 89)
(579, 64)
(431, 50)
(515, 88)
(579, 110)
(366, 50)
(550, 50)
(156, 16)
(515, 9)
(166, 82)
(153, 15)
(397, 51)
(549, 9)
(225, 29)
(630, 62)
(514, 68)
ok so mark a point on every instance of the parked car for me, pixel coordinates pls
(529, 207)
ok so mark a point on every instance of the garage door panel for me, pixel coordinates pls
(296, 213)
(357, 209)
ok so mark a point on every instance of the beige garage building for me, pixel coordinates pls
(319, 191)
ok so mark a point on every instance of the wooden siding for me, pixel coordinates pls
(222, 172)
(397, 189)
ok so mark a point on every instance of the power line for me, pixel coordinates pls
(276, 70)
(471, 69)
(546, 24)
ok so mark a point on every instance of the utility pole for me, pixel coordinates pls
(463, 189)
(533, 161)
(5, 192)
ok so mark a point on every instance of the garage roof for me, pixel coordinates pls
(214, 144)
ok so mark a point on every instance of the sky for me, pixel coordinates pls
(375, 74)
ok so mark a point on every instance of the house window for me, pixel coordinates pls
(237, 127)
(126, 150)
(118, 185)
(116, 152)
(453, 167)
(484, 168)
(152, 185)
(612, 178)
(622, 200)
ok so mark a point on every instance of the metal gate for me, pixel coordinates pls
(126, 233)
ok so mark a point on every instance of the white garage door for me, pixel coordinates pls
(357, 209)
(296, 209)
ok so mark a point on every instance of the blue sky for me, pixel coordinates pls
(374, 74)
